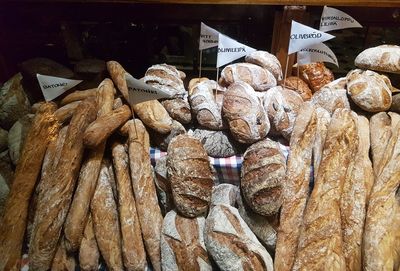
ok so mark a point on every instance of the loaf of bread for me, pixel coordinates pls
(282, 106)
(316, 75)
(295, 83)
(154, 115)
(88, 175)
(133, 254)
(163, 185)
(162, 140)
(57, 189)
(204, 105)
(381, 232)
(166, 78)
(395, 103)
(258, 78)
(62, 260)
(224, 193)
(148, 210)
(267, 61)
(117, 74)
(44, 129)
(332, 96)
(296, 188)
(321, 240)
(354, 198)
(99, 130)
(383, 58)
(17, 135)
(265, 228)
(78, 95)
(323, 120)
(117, 103)
(64, 113)
(178, 109)
(194, 81)
(244, 113)
(232, 244)
(369, 90)
(182, 243)
(88, 251)
(105, 219)
(217, 143)
(263, 174)
(190, 174)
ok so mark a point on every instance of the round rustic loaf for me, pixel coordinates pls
(244, 113)
(369, 90)
(384, 58)
(262, 177)
(316, 75)
(267, 61)
(257, 77)
(190, 175)
(295, 83)
(165, 77)
(282, 106)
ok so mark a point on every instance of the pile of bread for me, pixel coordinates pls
(84, 190)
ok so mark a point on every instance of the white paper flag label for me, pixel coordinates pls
(208, 37)
(140, 92)
(316, 53)
(302, 36)
(230, 50)
(333, 18)
(52, 86)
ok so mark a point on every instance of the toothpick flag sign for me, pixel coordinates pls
(316, 53)
(302, 36)
(229, 50)
(140, 92)
(208, 37)
(52, 86)
(332, 19)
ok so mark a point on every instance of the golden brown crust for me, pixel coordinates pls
(316, 75)
(117, 74)
(65, 113)
(78, 95)
(62, 260)
(154, 115)
(44, 129)
(297, 84)
(89, 252)
(57, 188)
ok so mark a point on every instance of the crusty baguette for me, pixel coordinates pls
(65, 112)
(117, 74)
(354, 198)
(57, 189)
(78, 212)
(323, 119)
(89, 252)
(381, 247)
(62, 260)
(44, 129)
(105, 220)
(297, 187)
(78, 95)
(149, 211)
(98, 132)
(320, 243)
(133, 254)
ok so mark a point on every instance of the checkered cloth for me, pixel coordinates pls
(228, 169)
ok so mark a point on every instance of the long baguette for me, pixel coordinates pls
(105, 220)
(320, 243)
(133, 253)
(89, 252)
(44, 130)
(57, 189)
(62, 260)
(145, 192)
(78, 212)
(297, 187)
(78, 95)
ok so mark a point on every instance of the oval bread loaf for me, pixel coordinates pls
(384, 58)
(316, 75)
(267, 61)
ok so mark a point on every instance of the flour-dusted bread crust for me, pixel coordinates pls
(89, 251)
(44, 130)
(64, 113)
(178, 109)
(355, 195)
(182, 244)
(224, 193)
(145, 192)
(383, 58)
(232, 244)
(282, 105)
(263, 175)
(204, 105)
(258, 78)
(297, 84)
(57, 189)
(244, 113)
(320, 244)
(316, 75)
(190, 174)
(369, 90)
(163, 185)
(154, 115)
(133, 253)
(296, 189)
(267, 61)
(165, 77)
(323, 120)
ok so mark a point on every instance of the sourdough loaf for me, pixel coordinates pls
(166, 78)
(163, 185)
(297, 84)
(267, 61)
(224, 193)
(384, 58)
(316, 75)
(190, 174)
(178, 109)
